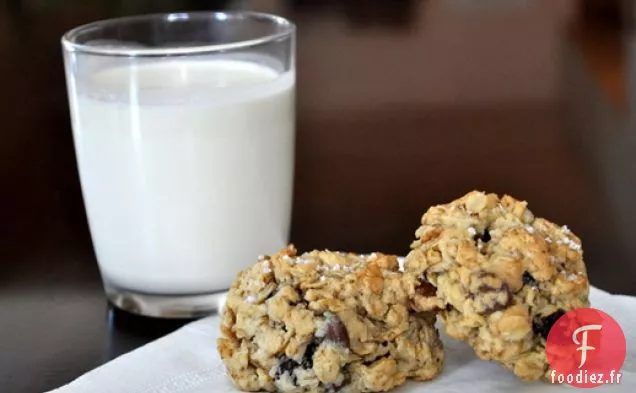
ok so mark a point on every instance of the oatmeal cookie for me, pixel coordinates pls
(499, 277)
(324, 322)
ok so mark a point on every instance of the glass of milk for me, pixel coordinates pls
(184, 135)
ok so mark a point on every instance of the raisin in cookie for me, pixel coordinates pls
(325, 322)
(499, 277)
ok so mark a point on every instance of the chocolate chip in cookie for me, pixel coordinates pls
(492, 294)
(529, 280)
(484, 237)
(425, 288)
(542, 327)
(287, 366)
(501, 298)
(336, 332)
(308, 356)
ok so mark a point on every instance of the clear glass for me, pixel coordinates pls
(184, 135)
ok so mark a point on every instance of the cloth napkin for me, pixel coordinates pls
(186, 361)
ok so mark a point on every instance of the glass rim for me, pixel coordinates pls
(70, 44)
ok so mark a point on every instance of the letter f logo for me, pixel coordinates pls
(584, 347)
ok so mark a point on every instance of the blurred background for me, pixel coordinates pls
(401, 104)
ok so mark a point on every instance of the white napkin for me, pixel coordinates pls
(186, 361)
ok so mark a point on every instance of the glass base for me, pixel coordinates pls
(165, 306)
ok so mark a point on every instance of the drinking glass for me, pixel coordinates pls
(183, 127)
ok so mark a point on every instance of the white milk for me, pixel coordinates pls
(187, 178)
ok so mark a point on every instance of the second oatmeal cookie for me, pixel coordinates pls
(324, 322)
(499, 277)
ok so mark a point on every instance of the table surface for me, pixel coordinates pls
(401, 105)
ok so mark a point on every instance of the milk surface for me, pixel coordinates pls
(188, 176)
